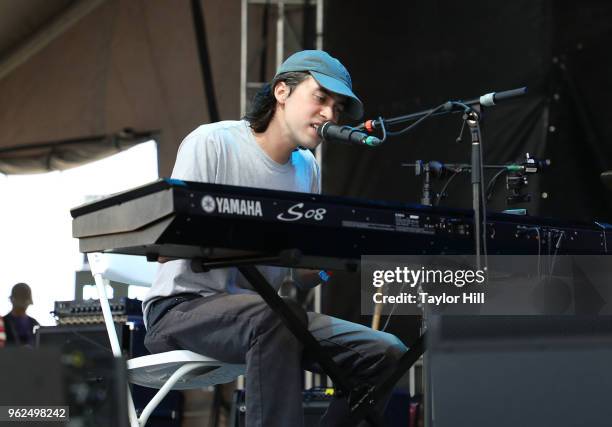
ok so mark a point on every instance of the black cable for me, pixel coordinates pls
(549, 243)
(393, 309)
(537, 229)
(446, 184)
(384, 129)
(491, 184)
(605, 237)
(415, 124)
(557, 246)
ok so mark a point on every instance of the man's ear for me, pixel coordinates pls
(281, 92)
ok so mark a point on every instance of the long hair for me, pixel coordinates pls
(263, 105)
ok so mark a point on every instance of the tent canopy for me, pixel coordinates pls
(74, 75)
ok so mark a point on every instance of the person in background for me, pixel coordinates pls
(19, 327)
(2, 333)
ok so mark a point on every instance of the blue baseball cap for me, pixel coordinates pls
(329, 73)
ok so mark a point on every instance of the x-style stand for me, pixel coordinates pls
(361, 399)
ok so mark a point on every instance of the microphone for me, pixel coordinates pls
(529, 165)
(533, 165)
(493, 98)
(436, 169)
(330, 132)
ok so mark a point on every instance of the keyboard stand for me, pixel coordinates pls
(361, 399)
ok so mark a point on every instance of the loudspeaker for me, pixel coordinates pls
(520, 370)
(91, 340)
(49, 377)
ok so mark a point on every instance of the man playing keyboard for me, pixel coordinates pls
(217, 313)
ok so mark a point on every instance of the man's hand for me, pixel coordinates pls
(163, 259)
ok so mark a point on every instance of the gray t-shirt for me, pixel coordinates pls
(227, 153)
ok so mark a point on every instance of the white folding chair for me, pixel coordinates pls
(171, 370)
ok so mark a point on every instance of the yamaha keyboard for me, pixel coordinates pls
(183, 219)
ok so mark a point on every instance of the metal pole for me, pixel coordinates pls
(319, 29)
(319, 46)
(472, 122)
(243, 55)
(280, 34)
(240, 381)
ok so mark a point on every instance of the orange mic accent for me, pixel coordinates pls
(368, 126)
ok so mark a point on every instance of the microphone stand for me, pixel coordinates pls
(472, 116)
(426, 199)
(471, 110)
(473, 121)
(488, 100)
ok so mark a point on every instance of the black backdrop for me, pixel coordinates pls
(407, 56)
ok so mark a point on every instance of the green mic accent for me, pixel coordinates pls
(371, 141)
(514, 168)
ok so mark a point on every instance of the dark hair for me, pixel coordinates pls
(20, 287)
(263, 105)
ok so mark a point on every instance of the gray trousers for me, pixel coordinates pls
(241, 328)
